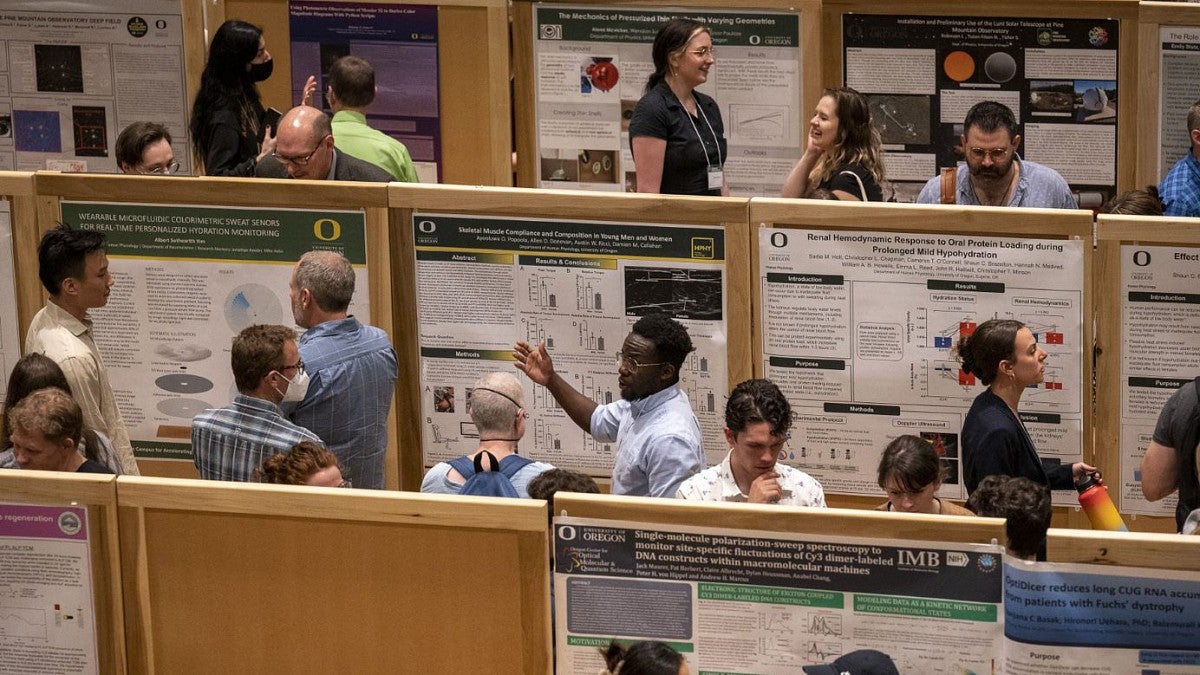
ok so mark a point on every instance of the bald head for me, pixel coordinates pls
(304, 142)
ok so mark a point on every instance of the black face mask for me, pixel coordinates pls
(261, 71)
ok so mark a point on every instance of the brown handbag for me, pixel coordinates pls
(949, 185)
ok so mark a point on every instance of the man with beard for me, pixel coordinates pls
(994, 175)
(657, 436)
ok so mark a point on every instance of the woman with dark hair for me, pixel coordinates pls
(910, 472)
(305, 464)
(228, 126)
(676, 133)
(37, 371)
(1006, 358)
(844, 153)
(643, 658)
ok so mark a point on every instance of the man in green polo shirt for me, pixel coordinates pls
(351, 91)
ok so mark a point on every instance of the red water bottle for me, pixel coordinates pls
(1098, 506)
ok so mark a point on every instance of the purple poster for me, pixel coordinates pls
(401, 43)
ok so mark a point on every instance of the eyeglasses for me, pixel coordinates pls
(704, 52)
(995, 154)
(300, 161)
(298, 366)
(161, 170)
(345, 483)
(631, 363)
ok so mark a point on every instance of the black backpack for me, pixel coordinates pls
(489, 483)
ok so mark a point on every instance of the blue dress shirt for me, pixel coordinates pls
(658, 442)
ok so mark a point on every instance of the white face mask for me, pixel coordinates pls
(296, 389)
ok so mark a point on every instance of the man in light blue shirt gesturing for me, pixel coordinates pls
(657, 436)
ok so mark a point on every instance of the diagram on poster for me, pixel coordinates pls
(577, 287)
(1160, 315)
(590, 69)
(923, 73)
(76, 76)
(187, 280)
(858, 329)
(402, 47)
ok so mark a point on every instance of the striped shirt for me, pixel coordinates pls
(230, 443)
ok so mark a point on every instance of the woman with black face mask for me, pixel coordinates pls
(227, 124)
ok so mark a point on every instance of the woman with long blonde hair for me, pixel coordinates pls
(844, 153)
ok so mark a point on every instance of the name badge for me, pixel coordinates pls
(716, 178)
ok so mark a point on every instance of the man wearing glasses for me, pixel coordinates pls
(657, 436)
(304, 150)
(145, 148)
(229, 443)
(758, 419)
(994, 175)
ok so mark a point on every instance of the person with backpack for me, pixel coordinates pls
(496, 406)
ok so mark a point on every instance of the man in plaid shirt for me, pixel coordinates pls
(1180, 189)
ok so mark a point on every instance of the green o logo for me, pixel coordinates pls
(327, 229)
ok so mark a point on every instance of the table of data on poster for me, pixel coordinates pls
(187, 279)
(858, 330)
(923, 73)
(590, 69)
(577, 287)
(737, 601)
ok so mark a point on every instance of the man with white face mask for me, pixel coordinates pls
(228, 443)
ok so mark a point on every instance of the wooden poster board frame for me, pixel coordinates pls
(17, 187)
(52, 188)
(473, 78)
(98, 494)
(1151, 17)
(240, 577)
(1126, 11)
(525, 203)
(1135, 549)
(1111, 233)
(962, 220)
(525, 88)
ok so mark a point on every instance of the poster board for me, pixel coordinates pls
(472, 71)
(639, 253)
(225, 266)
(767, 589)
(891, 288)
(1059, 66)
(16, 195)
(56, 525)
(79, 74)
(1146, 337)
(1168, 57)
(568, 123)
(378, 579)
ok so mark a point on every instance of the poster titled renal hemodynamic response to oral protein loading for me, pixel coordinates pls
(401, 44)
(1160, 318)
(73, 74)
(187, 279)
(590, 69)
(858, 330)
(923, 73)
(577, 287)
(737, 601)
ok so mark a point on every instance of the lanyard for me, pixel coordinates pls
(697, 130)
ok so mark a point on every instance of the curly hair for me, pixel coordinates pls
(1024, 505)
(755, 401)
(642, 658)
(295, 466)
(982, 351)
(670, 338)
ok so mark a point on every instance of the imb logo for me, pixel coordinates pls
(918, 558)
(703, 247)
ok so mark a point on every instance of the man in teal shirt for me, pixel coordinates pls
(351, 90)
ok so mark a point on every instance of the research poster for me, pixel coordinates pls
(858, 330)
(590, 69)
(47, 616)
(733, 601)
(401, 44)
(923, 73)
(73, 74)
(577, 287)
(10, 336)
(1179, 88)
(187, 279)
(1160, 318)
(1114, 619)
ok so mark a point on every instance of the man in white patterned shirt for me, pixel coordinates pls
(757, 419)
